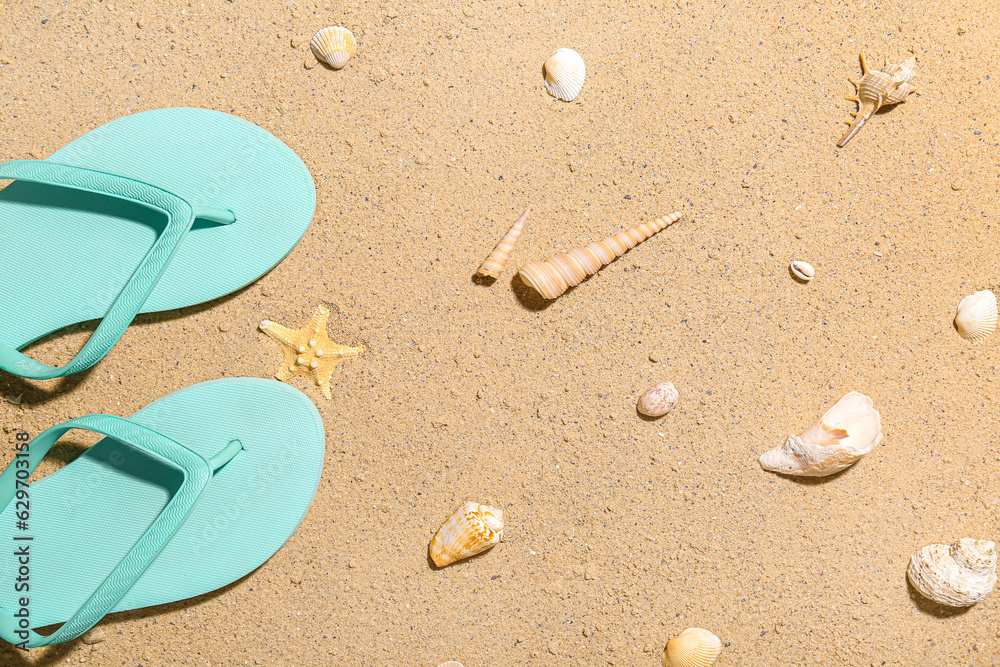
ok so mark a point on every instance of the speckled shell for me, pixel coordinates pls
(553, 276)
(472, 529)
(845, 433)
(976, 319)
(658, 400)
(497, 259)
(334, 45)
(804, 271)
(564, 74)
(877, 88)
(957, 575)
(694, 647)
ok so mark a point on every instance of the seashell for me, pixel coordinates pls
(958, 575)
(472, 529)
(878, 88)
(553, 276)
(804, 271)
(334, 45)
(658, 400)
(451, 663)
(848, 431)
(564, 73)
(497, 259)
(694, 647)
(977, 316)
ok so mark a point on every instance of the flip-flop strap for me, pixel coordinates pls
(197, 472)
(180, 215)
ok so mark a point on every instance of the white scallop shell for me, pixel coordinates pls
(658, 400)
(695, 647)
(957, 575)
(472, 529)
(564, 74)
(804, 271)
(334, 45)
(977, 316)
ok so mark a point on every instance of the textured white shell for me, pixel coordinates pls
(564, 74)
(848, 431)
(334, 45)
(472, 529)
(658, 400)
(957, 575)
(977, 316)
(695, 647)
(804, 271)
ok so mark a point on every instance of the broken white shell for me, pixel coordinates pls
(658, 400)
(334, 45)
(848, 431)
(564, 74)
(804, 271)
(695, 647)
(957, 575)
(977, 316)
(472, 529)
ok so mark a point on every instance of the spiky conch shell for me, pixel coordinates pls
(553, 276)
(334, 45)
(695, 647)
(564, 74)
(878, 88)
(494, 263)
(976, 319)
(957, 575)
(472, 529)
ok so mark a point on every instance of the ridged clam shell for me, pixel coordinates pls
(658, 400)
(472, 529)
(494, 263)
(564, 74)
(957, 575)
(977, 316)
(695, 647)
(334, 45)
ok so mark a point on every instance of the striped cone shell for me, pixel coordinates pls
(553, 276)
(472, 529)
(497, 259)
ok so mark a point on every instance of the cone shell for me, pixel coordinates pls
(553, 276)
(957, 575)
(472, 529)
(334, 45)
(694, 647)
(564, 74)
(497, 259)
(977, 316)
(658, 400)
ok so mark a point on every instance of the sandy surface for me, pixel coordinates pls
(620, 532)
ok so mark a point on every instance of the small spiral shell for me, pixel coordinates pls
(493, 265)
(553, 276)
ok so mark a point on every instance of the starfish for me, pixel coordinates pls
(309, 352)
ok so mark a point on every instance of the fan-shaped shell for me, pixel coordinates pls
(658, 400)
(695, 647)
(472, 529)
(957, 575)
(334, 45)
(977, 316)
(564, 74)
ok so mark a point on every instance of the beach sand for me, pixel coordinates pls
(620, 532)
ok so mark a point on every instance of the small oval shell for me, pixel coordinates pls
(472, 529)
(977, 316)
(497, 260)
(804, 271)
(957, 575)
(334, 45)
(695, 647)
(564, 74)
(658, 400)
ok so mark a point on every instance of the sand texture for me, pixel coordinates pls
(620, 531)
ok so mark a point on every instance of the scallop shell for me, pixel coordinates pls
(695, 647)
(977, 316)
(957, 575)
(845, 433)
(878, 88)
(804, 271)
(497, 259)
(658, 400)
(334, 45)
(564, 74)
(553, 276)
(472, 529)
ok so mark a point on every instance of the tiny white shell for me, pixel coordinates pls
(804, 271)
(334, 45)
(957, 575)
(977, 316)
(564, 74)
(695, 647)
(658, 400)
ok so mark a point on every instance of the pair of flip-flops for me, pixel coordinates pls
(155, 211)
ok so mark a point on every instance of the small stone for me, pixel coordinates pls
(957, 185)
(352, 563)
(94, 636)
(309, 63)
(294, 41)
(654, 357)
(224, 326)
(554, 647)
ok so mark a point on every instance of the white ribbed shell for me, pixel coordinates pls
(695, 647)
(977, 316)
(334, 45)
(957, 575)
(564, 74)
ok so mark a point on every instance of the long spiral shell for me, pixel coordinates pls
(493, 265)
(553, 276)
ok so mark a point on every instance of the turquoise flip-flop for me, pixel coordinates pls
(187, 495)
(158, 210)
